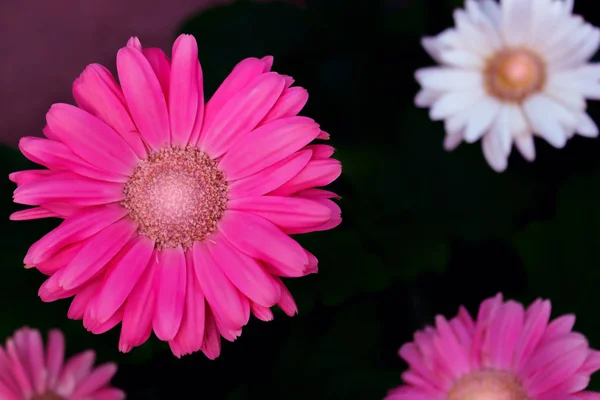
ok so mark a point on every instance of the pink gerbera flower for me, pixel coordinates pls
(508, 353)
(28, 372)
(177, 214)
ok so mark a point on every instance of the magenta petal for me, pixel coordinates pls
(211, 345)
(268, 63)
(19, 369)
(134, 43)
(286, 302)
(161, 65)
(59, 260)
(144, 97)
(289, 213)
(270, 178)
(82, 299)
(81, 226)
(97, 92)
(321, 151)
(71, 188)
(241, 114)
(262, 313)
(96, 253)
(267, 145)
(31, 213)
(184, 95)
(139, 310)
(30, 176)
(223, 297)
(245, 273)
(290, 103)
(55, 353)
(56, 156)
(169, 284)
(191, 333)
(316, 173)
(35, 356)
(125, 270)
(242, 74)
(91, 139)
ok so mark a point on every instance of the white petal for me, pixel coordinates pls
(557, 111)
(441, 78)
(452, 141)
(432, 47)
(462, 58)
(484, 113)
(516, 21)
(586, 126)
(555, 41)
(518, 125)
(543, 123)
(569, 96)
(426, 97)
(502, 129)
(584, 51)
(493, 152)
(547, 17)
(563, 43)
(458, 122)
(474, 35)
(492, 10)
(453, 102)
(526, 146)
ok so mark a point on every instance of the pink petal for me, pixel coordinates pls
(134, 43)
(35, 350)
(211, 345)
(138, 311)
(504, 334)
(267, 145)
(97, 327)
(75, 369)
(245, 273)
(270, 178)
(97, 92)
(52, 291)
(562, 368)
(80, 226)
(71, 188)
(242, 74)
(91, 139)
(260, 239)
(558, 327)
(335, 220)
(191, 333)
(286, 302)
(321, 151)
(262, 313)
(99, 378)
(316, 173)
(58, 157)
(30, 176)
(323, 136)
(185, 100)
(268, 63)
(144, 97)
(82, 299)
(454, 357)
(31, 213)
(6, 377)
(169, 284)
(62, 258)
(290, 103)
(63, 210)
(536, 320)
(161, 65)
(125, 270)
(291, 214)
(19, 370)
(318, 194)
(241, 114)
(55, 354)
(96, 253)
(223, 297)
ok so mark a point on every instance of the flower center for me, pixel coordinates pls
(176, 196)
(514, 74)
(47, 396)
(488, 385)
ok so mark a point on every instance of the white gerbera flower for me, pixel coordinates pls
(511, 70)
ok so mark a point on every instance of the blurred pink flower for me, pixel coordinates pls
(507, 353)
(30, 372)
(177, 213)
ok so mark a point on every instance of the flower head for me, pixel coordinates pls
(507, 353)
(509, 71)
(177, 213)
(30, 372)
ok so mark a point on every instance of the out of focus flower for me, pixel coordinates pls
(509, 71)
(507, 353)
(177, 214)
(30, 372)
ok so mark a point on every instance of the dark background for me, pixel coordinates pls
(424, 230)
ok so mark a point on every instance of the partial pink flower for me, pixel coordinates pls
(177, 213)
(30, 372)
(507, 353)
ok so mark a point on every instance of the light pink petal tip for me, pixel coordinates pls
(514, 348)
(29, 369)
